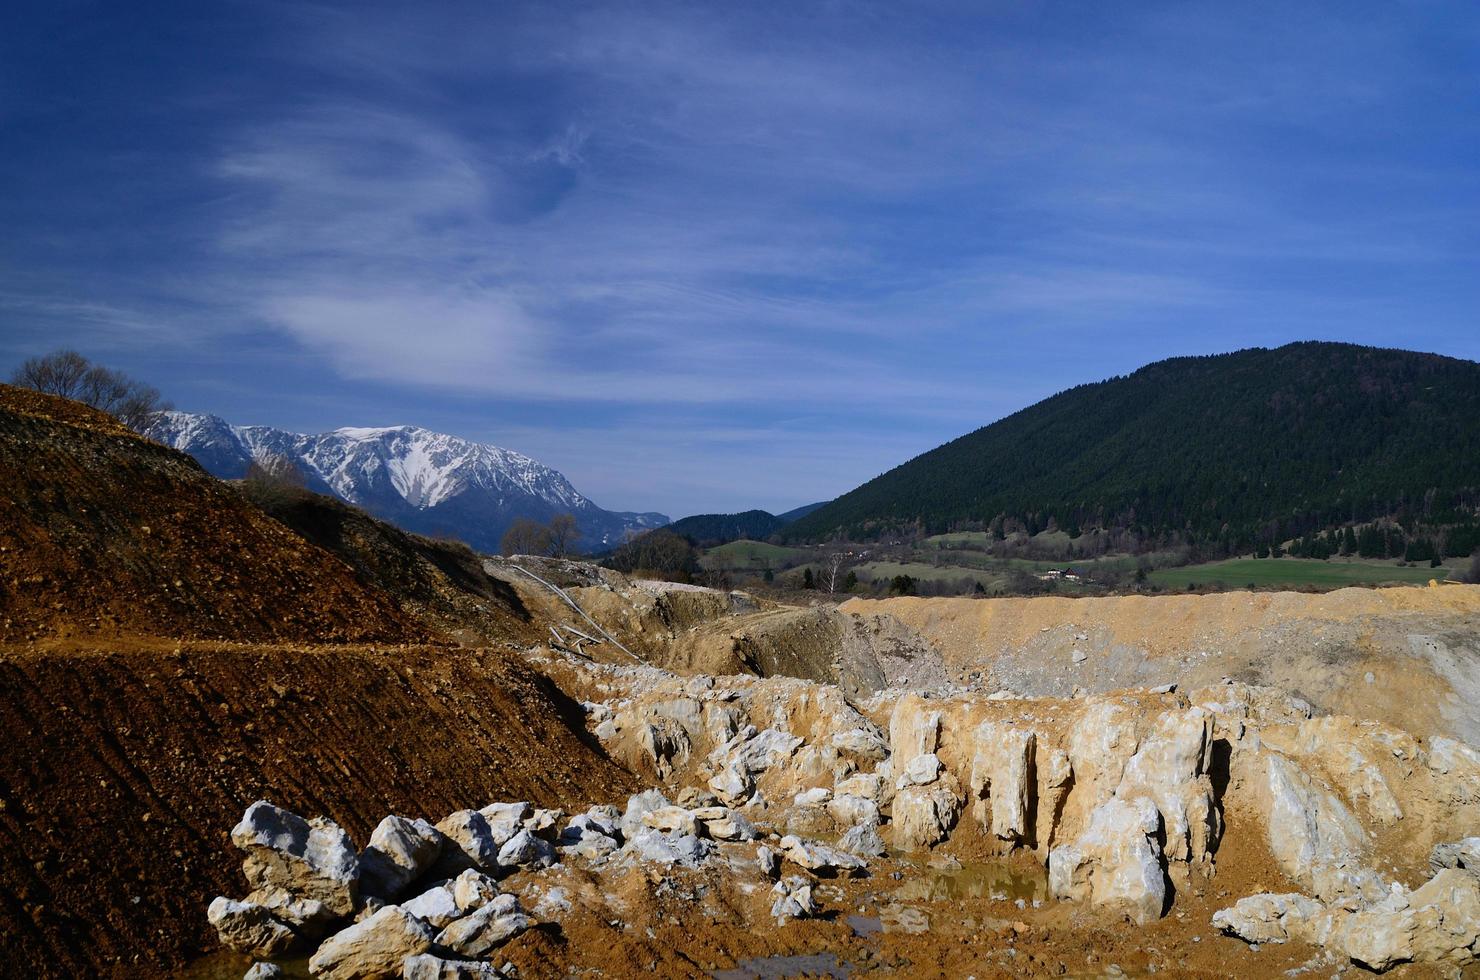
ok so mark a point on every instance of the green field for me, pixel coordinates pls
(753, 556)
(875, 570)
(1239, 572)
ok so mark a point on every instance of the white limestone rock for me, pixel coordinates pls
(1313, 837)
(768, 861)
(264, 971)
(436, 906)
(309, 859)
(815, 796)
(425, 966)
(469, 843)
(506, 819)
(1438, 922)
(1002, 758)
(1115, 862)
(1464, 854)
(670, 849)
(820, 858)
(400, 850)
(924, 815)
(525, 850)
(376, 947)
(922, 770)
(863, 840)
(472, 890)
(732, 786)
(671, 820)
(869, 785)
(731, 825)
(914, 728)
(477, 935)
(249, 928)
(1271, 918)
(638, 806)
(854, 811)
(793, 899)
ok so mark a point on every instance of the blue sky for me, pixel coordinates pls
(710, 257)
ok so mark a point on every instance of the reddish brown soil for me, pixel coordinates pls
(123, 773)
(103, 532)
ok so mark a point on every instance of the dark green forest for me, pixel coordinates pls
(708, 530)
(1312, 442)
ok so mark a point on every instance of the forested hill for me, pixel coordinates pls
(1232, 451)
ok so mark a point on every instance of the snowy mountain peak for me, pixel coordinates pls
(413, 476)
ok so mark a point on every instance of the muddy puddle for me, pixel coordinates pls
(778, 967)
(996, 880)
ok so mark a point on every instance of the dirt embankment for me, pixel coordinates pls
(103, 532)
(123, 773)
(1409, 657)
(440, 583)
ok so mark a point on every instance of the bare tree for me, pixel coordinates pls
(831, 574)
(525, 537)
(273, 481)
(563, 531)
(68, 374)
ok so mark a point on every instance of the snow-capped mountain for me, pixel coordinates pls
(423, 481)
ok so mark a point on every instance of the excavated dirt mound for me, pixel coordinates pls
(124, 771)
(1409, 657)
(104, 532)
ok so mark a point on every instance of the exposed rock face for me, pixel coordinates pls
(638, 807)
(1457, 854)
(924, 815)
(1311, 833)
(399, 851)
(863, 840)
(376, 947)
(312, 859)
(1115, 862)
(914, 728)
(1002, 768)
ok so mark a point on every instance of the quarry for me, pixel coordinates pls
(346, 752)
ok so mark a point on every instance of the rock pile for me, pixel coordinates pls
(423, 901)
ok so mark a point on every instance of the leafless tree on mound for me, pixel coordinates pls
(525, 537)
(563, 532)
(68, 374)
(273, 481)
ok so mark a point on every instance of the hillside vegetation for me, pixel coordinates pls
(1230, 453)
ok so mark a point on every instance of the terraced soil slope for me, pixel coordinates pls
(124, 769)
(103, 532)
